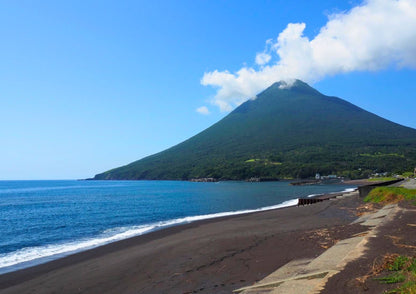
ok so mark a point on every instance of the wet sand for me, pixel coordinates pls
(211, 256)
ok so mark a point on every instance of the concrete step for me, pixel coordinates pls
(311, 275)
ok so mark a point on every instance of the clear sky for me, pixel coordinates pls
(86, 86)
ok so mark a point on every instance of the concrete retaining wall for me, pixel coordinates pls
(364, 190)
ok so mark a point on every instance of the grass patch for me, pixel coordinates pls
(408, 287)
(252, 160)
(404, 269)
(408, 174)
(263, 161)
(398, 263)
(382, 179)
(392, 279)
(386, 195)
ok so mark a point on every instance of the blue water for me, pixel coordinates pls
(45, 220)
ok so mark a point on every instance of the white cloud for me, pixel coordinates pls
(263, 58)
(372, 36)
(203, 110)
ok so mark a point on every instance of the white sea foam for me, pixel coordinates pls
(349, 190)
(35, 255)
(343, 191)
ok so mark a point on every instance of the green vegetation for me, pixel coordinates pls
(398, 263)
(392, 279)
(386, 195)
(404, 270)
(285, 133)
(407, 288)
(381, 155)
(408, 175)
(381, 179)
(263, 161)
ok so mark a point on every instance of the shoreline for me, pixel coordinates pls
(152, 227)
(166, 225)
(149, 228)
(223, 234)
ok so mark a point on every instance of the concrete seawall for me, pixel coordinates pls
(364, 190)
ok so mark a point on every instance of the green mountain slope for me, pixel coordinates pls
(284, 132)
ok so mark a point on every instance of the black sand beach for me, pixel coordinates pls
(211, 256)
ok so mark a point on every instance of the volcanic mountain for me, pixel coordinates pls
(285, 132)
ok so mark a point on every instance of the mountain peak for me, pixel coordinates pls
(289, 130)
(292, 85)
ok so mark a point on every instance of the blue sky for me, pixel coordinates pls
(86, 86)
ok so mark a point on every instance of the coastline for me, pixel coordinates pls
(141, 231)
(33, 256)
(219, 254)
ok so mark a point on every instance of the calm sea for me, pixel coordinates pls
(45, 220)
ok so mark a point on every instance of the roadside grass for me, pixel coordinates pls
(403, 270)
(392, 279)
(387, 195)
(382, 179)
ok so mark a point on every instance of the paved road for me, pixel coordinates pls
(409, 184)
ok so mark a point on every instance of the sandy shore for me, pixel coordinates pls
(211, 256)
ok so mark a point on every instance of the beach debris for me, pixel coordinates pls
(378, 267)
(364, 209)
(396, 241)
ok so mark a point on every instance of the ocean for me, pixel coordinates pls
(45, 220)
